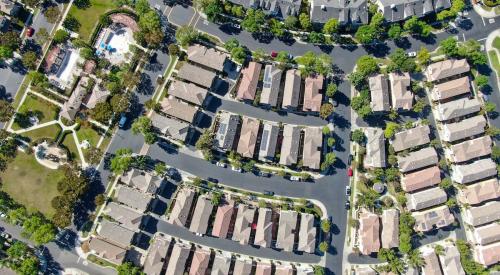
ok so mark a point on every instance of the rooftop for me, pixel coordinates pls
(411, 138)
(421, 179)
(207, 57)
(249, 81)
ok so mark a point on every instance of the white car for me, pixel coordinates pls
(236, 169)
(412, 54)
(295, 178)
(5, 235)
(2, 215)
(221, 164)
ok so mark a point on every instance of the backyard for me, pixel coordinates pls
(33, 106)
(89, 17)
(31, 184)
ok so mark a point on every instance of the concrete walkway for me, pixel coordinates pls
(484, 13)
(489, 47)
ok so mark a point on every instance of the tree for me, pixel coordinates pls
(495, 153)
(482, 81)
(61, 36)
(305, 22)
(173, 49)
(259, 54)
(44, 234)
(471, 50)
(231, 43)
(276, 28)
(291, 22)
(419, 106)
(142, 125)
(100, 199)
(213, 11)
(390, 129)
(493, 131)
(331, 26)
(254, 21)
(151, 33)
(311, 64)
(6, 52)
(319, 270)
(141, 7)
(283, 57)
(331, 89)
(446, 184)
(395, 32)
(29, 266)
(102, 112)
(316, 38)
(326, 110)
(366, 34)
(323, 246)
(366, 65)
(160, 168)
(32, 3)
(406, 223)
(42, 36)
(415, 259)
(120, 102)
(71, 23)
(417, 27)
(186, 35)
(358, 136)
(239, 54)
(423, 56)
(391, 174)
(401, 62)
(128, 268)
(449, 47)
(29, 60)
(52, 14)
(82, 4)
(10, 40)
(122, 161)
(331, 142)
(93, 155)
(17, 250)
(6, 110)
(216, 198)
(326, 225)
(489, 106)
(248, 166)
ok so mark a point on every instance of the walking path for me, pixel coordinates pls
(489, 47)
(484, 13)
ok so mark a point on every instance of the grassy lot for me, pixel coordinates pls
(31, 184)
(495, 61)
(496, 43)
(69, 142)
(51, 132)
(89, 17)
(45, 111)
(88, 133)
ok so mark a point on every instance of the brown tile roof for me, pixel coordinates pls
(207, 57)
(291, 92)
(312, 96)
(221, 265)
(115, 233)
(263, 232)
(133, 198)
(144, 181)
(222, 220)
(290, 144)
(271, 85)
(287, 230)
(199, 264)
(249, 81)
(431, 266)
(243, 223)
(486, 213)
(201, 215)
(178, 259)
(99, 94)
(313, 141)
(242, 267)
(450, 261)
(451, 88)
(436, 217)
(107, 251)
(457, 108)
(487, 255)
(126, 216)
(379, 92)
(421, 179)
(476, 170)
(187, 92)
(369, 230)
(196, 75)
(182, 207)
(470, 149)
(425, 198)
(283, 270)
(375, 148)
(417, 159)
(263, 269)
(156, 255)
(178, 109)
(170, 127)
(307, 233)
(390, 228)
(479, 192)
(466, 128)
(248, 136)
(73, 104)
(487, 234)
(411, 138)
(401, 95)
(446, 68)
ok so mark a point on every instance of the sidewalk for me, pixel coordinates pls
(484, 13)
(489, 47)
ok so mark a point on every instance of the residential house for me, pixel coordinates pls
(487, 255)
(487, 234)
(207, 57)
(283, 270)
(263, 232)
(479, 192)
(450, 89)
(307, 233)
(470, 149)
(73, 104)
(450, 261)
(196, 75)
(222, 221)
(431, 266)
(425, 199)
(9, 7)
(156, 255)
(375, 148)
(169, 127)
(291, 92)
(401, 94)
(99, 95)
(175, 108)
(346, 12)
(182, 207)
(276, 8)
(369, 230)
(390, 228)
(421, 179)
(379, 93)
(312, 93)
(107, 251)
(290, 144)
(263, 269)
(313, 141)
(226, 131)
(286, 230)
(199, 263)
(486, 213)
(418, 159)
(125, 216)
(248, 137)
(141, 180)
(201, 215)
(477, 170)
(248, 82)
(242, 267)
(243, 224)
(187, 92)
(445, 70)
(433, 218)
(221, 265)
(178, 259)
(457, 108)
(398, 10)
(268, 141)
(271, 85)
(466, 128)
(133, 198)
(411, 138)
(115, 233)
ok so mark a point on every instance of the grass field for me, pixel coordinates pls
(88, 133)
(31, 184)
(69, 142)
(496, 43)
(495, 61)
(45, 111)
(89, 17)
(51, 132)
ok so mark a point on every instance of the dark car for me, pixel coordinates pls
(350, 159)
(212, 180)
(347, 205)
(268, 193)
(123, 121)
(264, 174)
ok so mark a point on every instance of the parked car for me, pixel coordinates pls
(236, 26)
(5, 235)
(264, 174)
(347, 190)
(412, 54)
(236, 169)
(220, 164)
(268, 193)
(30, 31)
(295, 178)
(212, 180)
(123, 121)
(349, 172)
(274, 54)
(3, 215)
(350, 159)
(347, 205)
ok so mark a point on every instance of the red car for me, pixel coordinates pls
(30, 31)
(274, 54)
(349, 172)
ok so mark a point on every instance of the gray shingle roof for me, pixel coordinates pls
(115, 233)
(133, 198)
(344, 11)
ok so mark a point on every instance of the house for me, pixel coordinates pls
(479, 192)
(487, 234)
(242, 267)
(178, 259)
(201, 215)
(291, 92)
(411, 138)
(375, 149)
(133, 198)
(143, 181)
(421, 179)
(450, 89)
(487, 255)
(450, 261)
(398, 10)
(307, 233)
(401, 94)
(483, 214)
(4, 24)
(107, 251)
(115, 233)
(313, 141)
(243, 224)
(418, 159)
(276, 8)
(477, 170)
(271, 85)
(175, 108)
(199, 263)
(290, 144)
(248, 137)
(156, 255)
(226, 131)
(379, 93)
(9, 7)
(390, 228)
(445, 70)
(99, 95)
(263, 232)
(433, 218)
(125, 216)
(346, 12)
(207, 57)
(221, 265)
(312, 93)
(369, 230)
(425, 199)
(169, 127)
(182, 207)
(248, 82)
(268, 141)
(431, 266)
(196, 75)
(283, 270)
(470, 149)
(457, 108)
(287, 230)
(73, 104)
(365, 271)
(187, 92)
(468, 127)
(222, 221)
(263, 269)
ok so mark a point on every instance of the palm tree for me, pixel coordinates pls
(415, 259)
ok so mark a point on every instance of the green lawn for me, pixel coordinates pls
(44, 110)
(88, 133)
(495, 62)
(51, 132)
(496, 43)
(89, 17)
(69, 142)
(31, 184)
